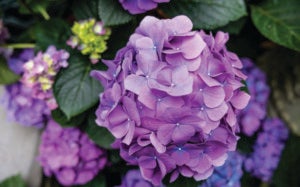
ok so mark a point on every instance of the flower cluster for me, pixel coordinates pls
(229, 174)
(267, 149)
(90, 38)
(133, 178)
(251, 117)
(39, 73)
(140, 6)
(16, 61)
(70, 155)
(23, 108)
(171, 97)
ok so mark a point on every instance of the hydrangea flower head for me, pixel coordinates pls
(70, 155)
(90, 38)
(140, 6)
(267, 149)
(133, 178)
(40, 71)
(229, 174)
(23, 108)
(17, 61)
(251, 117)
(171, 97)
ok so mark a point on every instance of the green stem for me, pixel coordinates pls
(18, 45)
(43, 12)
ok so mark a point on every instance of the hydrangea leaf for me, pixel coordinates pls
(62, 119)
(279, 21)
(52, 32)
(6, 75)
(112, 13)
(85, 9)
(14, 181)
(207, 14)
(100, 135)
(74, 89)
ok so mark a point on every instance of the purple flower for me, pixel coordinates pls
(133, 178)
(17, 60)
(70, 155)
(251, 117)
(140, 6)
(229, 174)
(267, 149)
(40, 71)
(23, 108)
(171, 99)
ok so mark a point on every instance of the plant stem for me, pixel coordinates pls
(43, 13)
(18, 45)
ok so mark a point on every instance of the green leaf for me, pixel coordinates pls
(6, 75)
(112, 13)
(234, 27)
(279, 21)
(52, 32)
(98, 181)
(287, 173)
(85, 9)
(62, 119)
(207, 14)
(184, 181)
(14, 181)
(74, 89)
(100, 135)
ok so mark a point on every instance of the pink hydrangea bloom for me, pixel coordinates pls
(171, 98)
(70, 155)
(39, 73)
(140, 6)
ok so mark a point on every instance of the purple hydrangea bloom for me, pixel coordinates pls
(140, 6)
(229, 174)
(133, 178)
(267, 149)
(255, 112)
(16, 61)
(39, 73)
(70, 155)
(171, 97)
(23, 108)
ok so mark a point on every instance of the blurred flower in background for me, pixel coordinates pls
(251, 117)
(70, 155)
(140, 6)
(40, 71)
(90, 37)
(269, 144)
